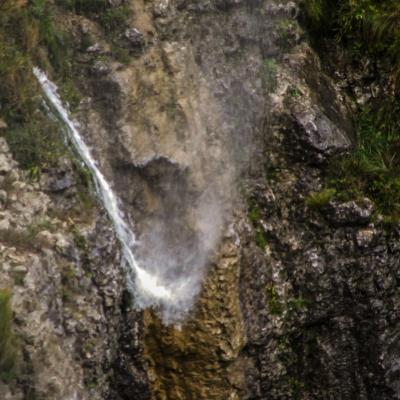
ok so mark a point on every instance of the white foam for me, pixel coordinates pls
(146, 287)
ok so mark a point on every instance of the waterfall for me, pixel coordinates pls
(147, 288)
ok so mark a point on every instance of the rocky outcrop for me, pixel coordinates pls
(61, 263)
(296, 302)
(326, 276)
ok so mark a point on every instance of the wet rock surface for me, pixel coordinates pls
(297, 303)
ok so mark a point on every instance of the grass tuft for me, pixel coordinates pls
(318, 200)
(367, 28)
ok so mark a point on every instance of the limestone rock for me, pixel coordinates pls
(351, 213)
(60, 318)
(318, 133)
(135, 37)
(6, 164)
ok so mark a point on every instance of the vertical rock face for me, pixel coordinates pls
(288, 302)
(327, 273)
(200, 359)
(61, 264)
(173, 129)
(169, 126)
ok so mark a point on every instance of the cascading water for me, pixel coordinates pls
(148, 288)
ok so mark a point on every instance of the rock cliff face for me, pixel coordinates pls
(226, 101)
(61, 264)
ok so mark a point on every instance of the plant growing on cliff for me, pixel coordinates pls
(368, 29)
(255, 216)
(317, 200)
(373, 169)
(25, 29)
(113, 18)
(364, 26)
(8, 347)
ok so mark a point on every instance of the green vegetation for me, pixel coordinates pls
(8, 345)
(35, 143)
(70, 94)
(261, 240)
(275, 306)
(113, 19)
(85, 7)
(364, 26)
(255, 216)
(26, 33)
(373, 169)
(32, 33)
(286, 30)
(278, 306)
(294, 91)
(318, 200)
(80, 241)
(30, 36)
(367, 28)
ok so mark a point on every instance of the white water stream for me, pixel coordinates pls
(146, 287)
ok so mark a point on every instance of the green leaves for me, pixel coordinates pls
(364, 26)
(373, 170)
(367, 28)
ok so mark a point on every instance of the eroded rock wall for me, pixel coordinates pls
(221, 97)
(61, 264)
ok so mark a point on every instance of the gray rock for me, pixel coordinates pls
(4, 224)
(287, 10)
(161, 8)
(95, 49)
(101, 68)
(6, 164)
(3, 196)
(4, 145)
(365, 237)
(351, 212)
(116, 3)
(57, 182)
(135, 37)
(320, 135)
